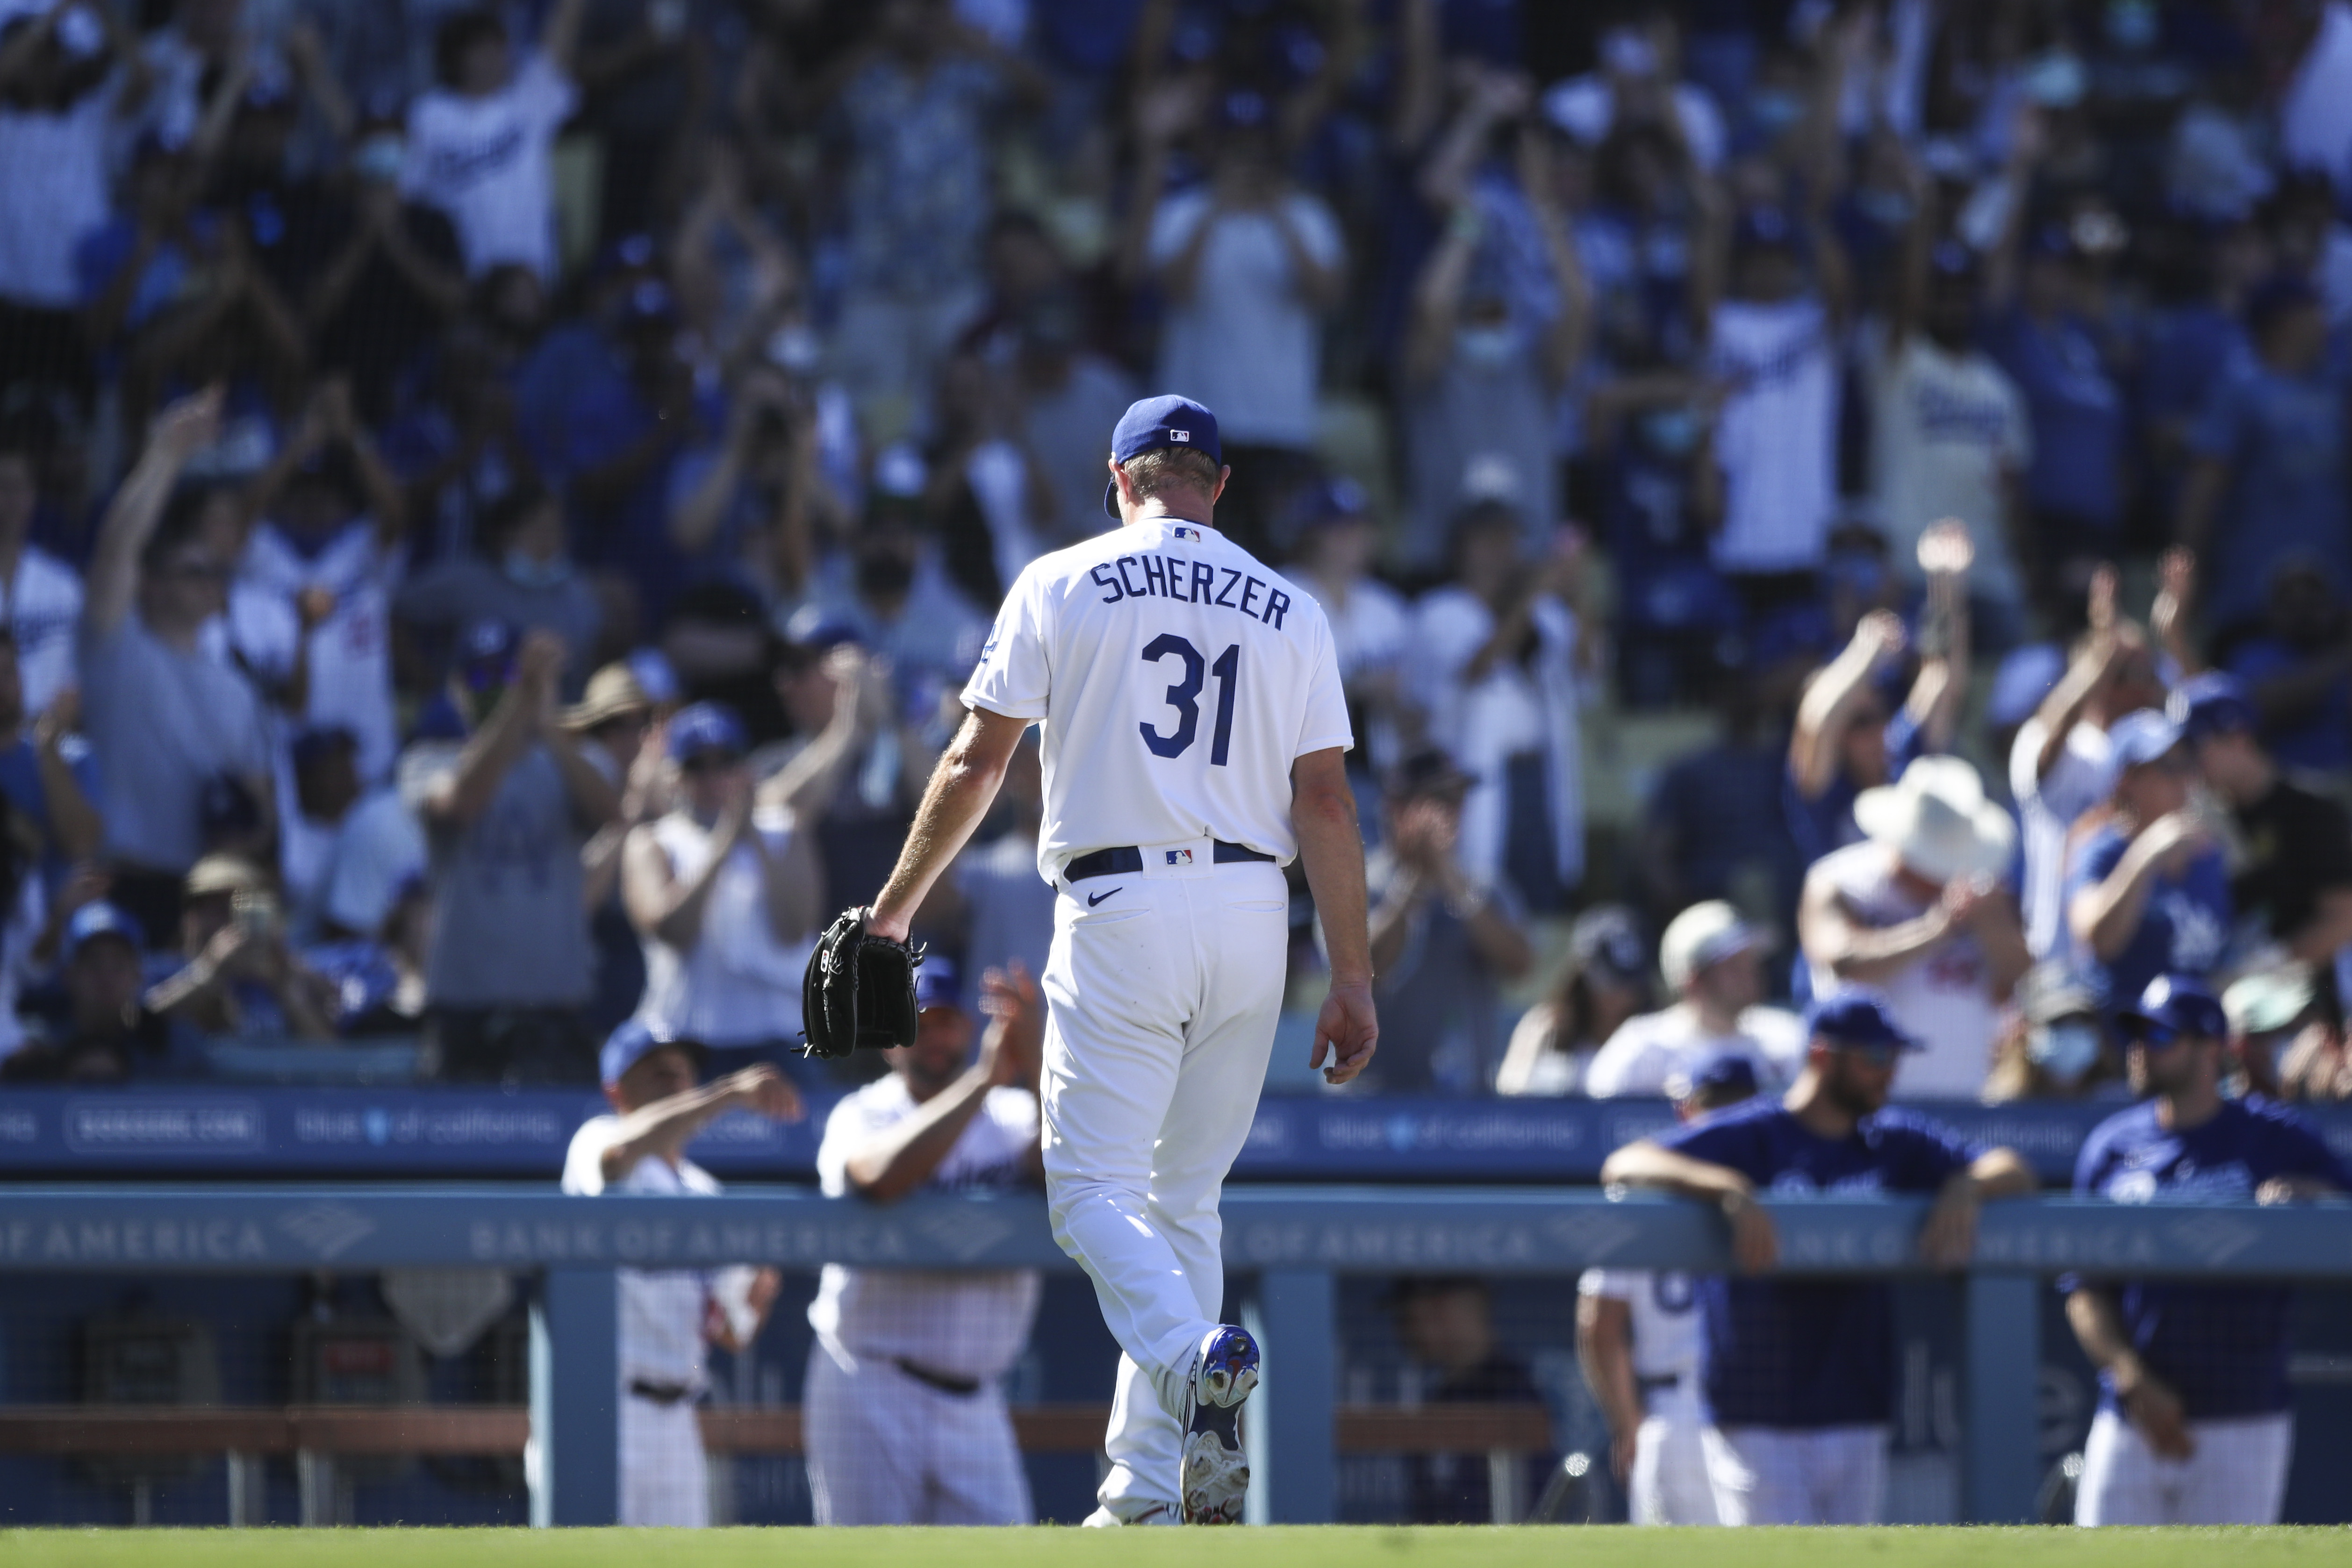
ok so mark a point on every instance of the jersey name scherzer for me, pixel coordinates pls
(1177, 679)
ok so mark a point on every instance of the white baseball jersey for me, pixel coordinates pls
(1776, 435)
(661, 1311)
(1669, 1482)
(966, 1324)
(1178, 680)
(1665, 1317)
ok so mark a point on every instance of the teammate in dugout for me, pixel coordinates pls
(1798, 1378)
(668, 1315)
(1194, 739)
(1637, 1334)
(2194, 1424)
(905, 1421)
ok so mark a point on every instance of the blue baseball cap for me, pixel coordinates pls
(1725, 1071)
(2172, 1006)
(2136, 739)
(936, 984)
(706, 726)
(486, 654)
(102, 919)
(634, 1041)
(1337, 499)
(1857, 1015)
(2213, 704)
(1156, 422)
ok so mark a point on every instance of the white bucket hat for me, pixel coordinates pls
(1938, 820)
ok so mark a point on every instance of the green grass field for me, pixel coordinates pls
(1289, 1548)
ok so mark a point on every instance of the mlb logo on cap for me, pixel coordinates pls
(1179, 857)
(1156, 422)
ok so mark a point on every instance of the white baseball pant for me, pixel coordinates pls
(2237, 1475)
(1782, 1475)
(1164, 988)
(665, 1480)
(1669, 1484)
(885, 1447)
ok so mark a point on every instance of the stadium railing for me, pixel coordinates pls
(1293, 1241)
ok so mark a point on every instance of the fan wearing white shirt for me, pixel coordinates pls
(479, 144)
(2058, 766)
(905, 1413)
(1713, 960)
(667, 1316)
(1371, 625)
(329, 553)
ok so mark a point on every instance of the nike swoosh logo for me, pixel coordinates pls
(1094, 898)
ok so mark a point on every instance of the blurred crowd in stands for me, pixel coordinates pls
(496, 503)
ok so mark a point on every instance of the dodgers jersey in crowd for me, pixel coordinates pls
(1185, 679)
(2223, 1348)
(1815, 1353)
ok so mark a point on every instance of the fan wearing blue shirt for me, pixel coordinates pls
(2194, 1425)
(2147, 892)
(1800, 1376)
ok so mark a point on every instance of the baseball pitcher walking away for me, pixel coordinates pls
(1194, 734)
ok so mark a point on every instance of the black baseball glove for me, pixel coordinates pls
(858, 990)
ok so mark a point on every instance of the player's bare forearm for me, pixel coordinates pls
(1605, 1344)
(962, 788)
(1323, 814)
(1645, 1164)
(904, 1157)
(668, 1124)
(2099, 1330)
(1332, 846)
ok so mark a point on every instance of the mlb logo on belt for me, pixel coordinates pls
(1179, 857)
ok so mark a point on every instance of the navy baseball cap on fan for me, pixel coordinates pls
(486, 654)
(92, 920)
(634, 1041)
(2172, 1006)
(2136, 739)
(706, 726)
(1337, 499)
(1726, 1072)
(937, 984)
(1156, 422)
(1857, 1015)
(2212, 704)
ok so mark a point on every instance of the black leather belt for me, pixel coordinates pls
(1660, 1383)
(663, 1394)
(946, 1383)
(1128, 861)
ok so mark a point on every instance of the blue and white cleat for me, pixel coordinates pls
(1216, 1474)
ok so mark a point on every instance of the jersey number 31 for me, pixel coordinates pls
(1184, 696)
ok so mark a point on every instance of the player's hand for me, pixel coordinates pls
(1755, 1239)
(2155, 1409)
(1948, 1238)
(1348, 1030)
(1015, 1045)
(764, 1092)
